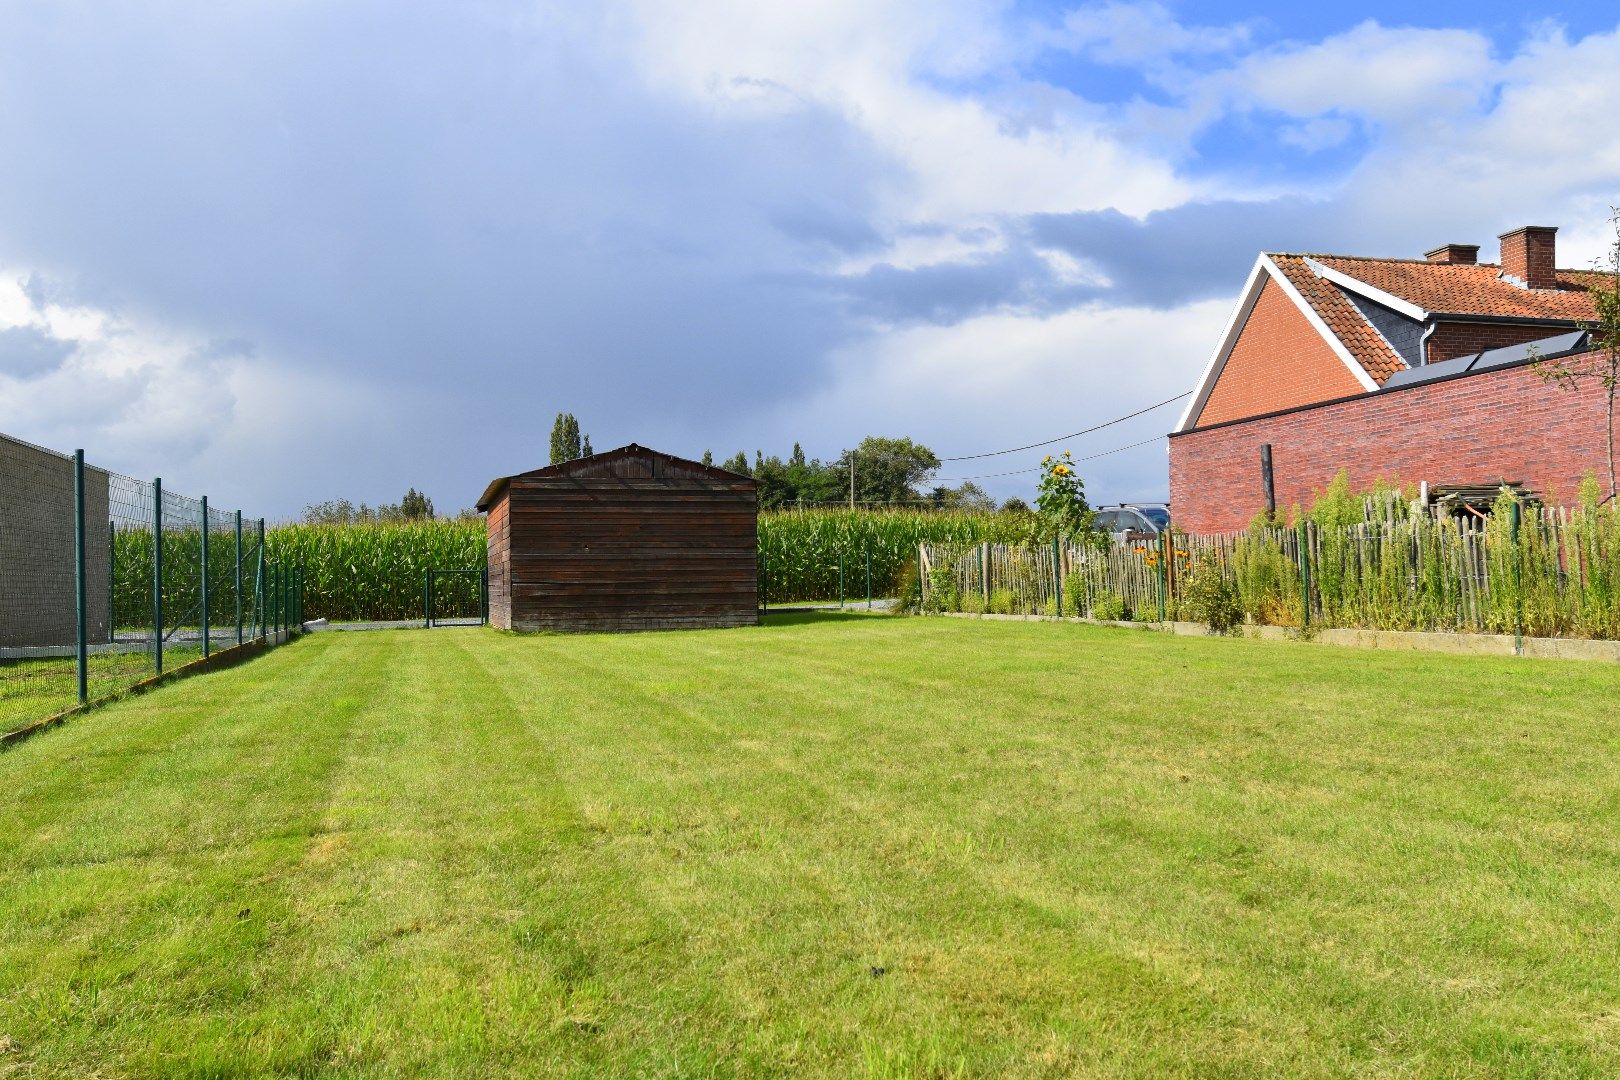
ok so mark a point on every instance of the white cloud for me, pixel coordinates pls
(1398, 76)
(880, 66)
(1317, 133)
(148, 399)
(1126, 33)
(1000, 380)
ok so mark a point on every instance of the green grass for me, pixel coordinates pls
(835, 846)
(33, 690)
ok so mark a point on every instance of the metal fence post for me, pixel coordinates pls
(1518, 591)
(112, 581)
(427, 600)
(840, 581)
(205, 597)
(157, 576)
(483, 597)
(239, 577)
(259, 596)
(1160, 579)
(82, 642)
(1167, 551)
(868, 579)
(1304, 575)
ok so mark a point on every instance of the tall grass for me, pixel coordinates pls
(1557, 574)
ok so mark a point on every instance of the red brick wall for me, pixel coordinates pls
(1453, 339)
(1505, 424)
(1530, 254)
(1278, 361)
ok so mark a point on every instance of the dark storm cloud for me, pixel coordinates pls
(431, 198)
(949, 292)
(26, 352)
(1192, 252)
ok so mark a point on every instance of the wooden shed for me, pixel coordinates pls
(630, 539)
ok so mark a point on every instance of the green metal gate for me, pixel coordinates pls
(455, 597)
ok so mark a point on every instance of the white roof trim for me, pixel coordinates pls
(1350, 362)
(1217, 360)
(1263, 270)
(1371, 292)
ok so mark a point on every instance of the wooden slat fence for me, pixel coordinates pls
(1554, 573)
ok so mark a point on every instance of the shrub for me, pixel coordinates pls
(942, 594)
(1074, 595)
(1110, 607)
(1003, 601)
(1209, 597)
(908, 589)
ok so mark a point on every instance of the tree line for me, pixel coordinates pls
(886, 472)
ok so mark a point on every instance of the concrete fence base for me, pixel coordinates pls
(1410, 640)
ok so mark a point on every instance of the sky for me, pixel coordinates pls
(279, 253)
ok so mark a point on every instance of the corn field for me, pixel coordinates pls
(801, 550)
(351, 573)
(1548, 572)
(376, 572)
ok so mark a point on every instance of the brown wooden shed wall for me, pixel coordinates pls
(632, 542)
(498, 527)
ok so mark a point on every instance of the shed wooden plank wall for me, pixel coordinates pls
(499, 562)
(633, 542)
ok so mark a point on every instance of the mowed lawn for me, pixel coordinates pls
(833, 846)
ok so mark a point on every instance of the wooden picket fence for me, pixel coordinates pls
(1533, 570)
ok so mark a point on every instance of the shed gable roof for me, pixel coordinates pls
(609, 463)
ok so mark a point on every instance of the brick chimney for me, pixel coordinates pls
(1458, 254)
(1529, 256)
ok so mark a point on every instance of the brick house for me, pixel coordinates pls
(1409, 369)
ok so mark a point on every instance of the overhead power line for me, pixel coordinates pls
(1037, 468)
(1121, 449)
(1072, 435)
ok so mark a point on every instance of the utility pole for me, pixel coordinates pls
(852, 479)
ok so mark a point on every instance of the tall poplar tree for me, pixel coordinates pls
(565, 441)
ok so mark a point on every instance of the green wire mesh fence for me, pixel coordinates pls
(106, 581)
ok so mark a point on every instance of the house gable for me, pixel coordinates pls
(1278, 359)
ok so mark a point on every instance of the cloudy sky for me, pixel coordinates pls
(284, 252)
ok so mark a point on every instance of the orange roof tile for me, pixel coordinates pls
(1469, 289)
(1365, 344)
(1439, 288)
